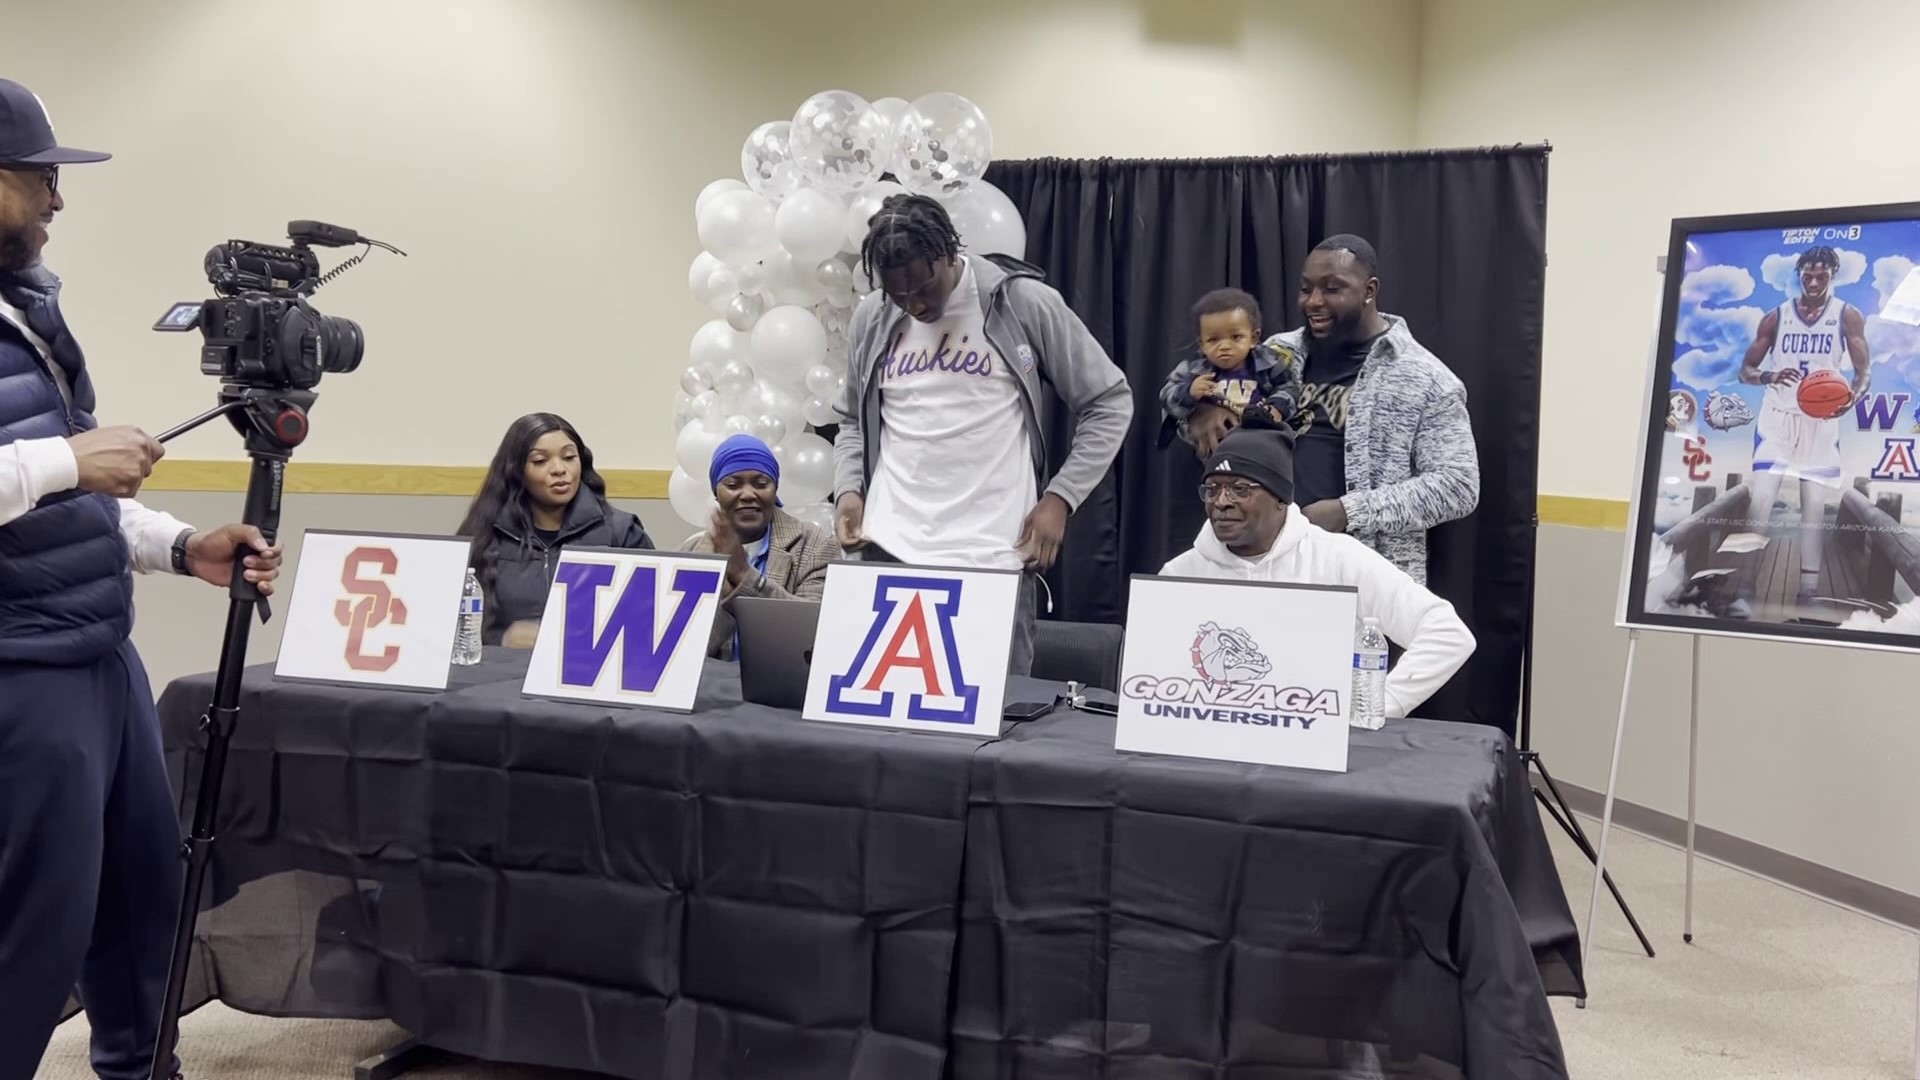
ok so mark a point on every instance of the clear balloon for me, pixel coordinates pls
(700, 273)
(808, 225)
(722, 287)
(693, 447)
(839, 142)
(987, 221)
(682, 410)
(714, 190)
(786, 342)
(695, 379)
(736, 425)
(806, 473)
(714, 344)
(767, 164)
(941, 144)
(770, 429)
(733, 377)
(864, 205)
(745, 310)
(737, 226)
(819, 411)
(691, 498)
(819, 380)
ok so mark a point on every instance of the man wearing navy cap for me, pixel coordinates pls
(89, 838)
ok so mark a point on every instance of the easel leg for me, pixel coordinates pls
(1693, 779)
(1606, 814)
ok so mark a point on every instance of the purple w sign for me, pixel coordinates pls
(634, 622)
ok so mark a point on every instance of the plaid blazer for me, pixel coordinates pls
(796, 570)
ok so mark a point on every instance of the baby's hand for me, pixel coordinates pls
(1204, 387)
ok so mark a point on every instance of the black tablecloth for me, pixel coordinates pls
(739, 893)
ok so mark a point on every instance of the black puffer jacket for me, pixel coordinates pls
(525, 565)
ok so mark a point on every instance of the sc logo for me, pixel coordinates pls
(376, 606)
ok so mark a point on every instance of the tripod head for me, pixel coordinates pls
(271, 421)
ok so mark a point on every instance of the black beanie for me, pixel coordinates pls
(1260, 450)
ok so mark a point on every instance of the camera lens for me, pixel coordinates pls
(341, 343)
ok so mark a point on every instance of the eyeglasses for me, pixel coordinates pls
(49, 174)
(1239, 491)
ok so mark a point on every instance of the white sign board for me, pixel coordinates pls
(915, 647)
(1239, 671)
(626, 627)
(379, 609)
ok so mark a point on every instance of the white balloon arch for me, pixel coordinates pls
(781, 274)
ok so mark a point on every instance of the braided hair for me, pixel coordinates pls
(1822, 256)
(908, 228)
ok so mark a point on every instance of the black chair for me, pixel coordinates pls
(1086, 653)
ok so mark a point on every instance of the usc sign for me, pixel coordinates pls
(374, 609)
(376, 606)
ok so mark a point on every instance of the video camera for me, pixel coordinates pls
(262, 333)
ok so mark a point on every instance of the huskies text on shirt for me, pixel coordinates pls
(955, 482)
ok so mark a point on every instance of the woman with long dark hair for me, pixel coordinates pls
(540, 493)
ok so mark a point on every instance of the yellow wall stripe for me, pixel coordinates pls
(1583, 513)
(329, 478)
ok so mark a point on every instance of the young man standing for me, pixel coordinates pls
(1386, 448)
(940, 458)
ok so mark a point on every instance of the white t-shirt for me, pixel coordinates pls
(955, 479)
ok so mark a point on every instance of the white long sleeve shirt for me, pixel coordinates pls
(32, 469)
(1437, 643)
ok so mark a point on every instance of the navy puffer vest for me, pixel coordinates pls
(66, 581)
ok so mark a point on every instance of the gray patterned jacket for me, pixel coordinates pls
(1411, 462)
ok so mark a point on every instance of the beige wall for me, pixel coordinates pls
(1657, 110)
(538, 159)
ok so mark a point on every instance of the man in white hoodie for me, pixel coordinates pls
(1251, 535)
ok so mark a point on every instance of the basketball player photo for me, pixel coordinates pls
(1779, 490)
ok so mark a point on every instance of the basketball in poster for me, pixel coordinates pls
(1780, 482)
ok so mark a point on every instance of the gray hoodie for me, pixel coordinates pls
(1411, 462)
(1029, 324)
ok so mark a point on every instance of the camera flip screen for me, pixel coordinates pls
(180, 317)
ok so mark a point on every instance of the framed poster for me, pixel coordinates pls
(1779, 483)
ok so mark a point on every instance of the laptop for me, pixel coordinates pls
(776, 648)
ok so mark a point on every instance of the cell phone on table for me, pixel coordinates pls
(1018, 711)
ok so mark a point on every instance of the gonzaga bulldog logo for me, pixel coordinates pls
(1230, 689)
(1727, 411)
(1227, 656)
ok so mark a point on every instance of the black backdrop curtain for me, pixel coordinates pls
(1462, 242)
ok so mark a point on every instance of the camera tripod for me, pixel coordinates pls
(271, 423)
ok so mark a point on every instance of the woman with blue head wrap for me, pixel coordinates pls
(769, 551)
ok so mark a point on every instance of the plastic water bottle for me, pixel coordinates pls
(1370, 677)
(473, 605)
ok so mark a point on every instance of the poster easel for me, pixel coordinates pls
(1698, 618)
